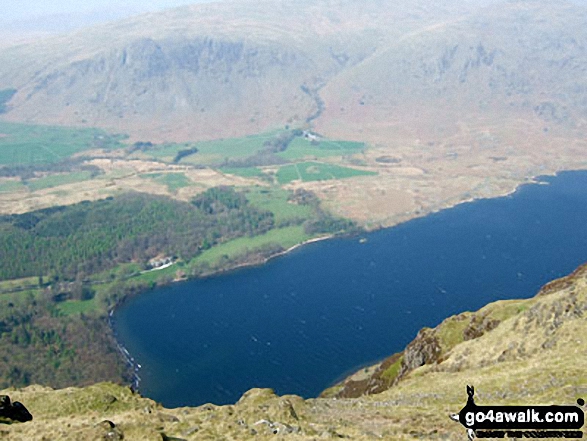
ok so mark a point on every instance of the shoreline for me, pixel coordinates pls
(129, 360)
(259, 262)
(447, 204)
(125, 353)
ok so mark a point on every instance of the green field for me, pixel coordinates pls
(154, 276)
(211, 152)
(317, 171)
(217, 152)
(245, 172)
(10, 186)
(301, 148)
(285, 237)
(276, 201)
(70, 307)
(9, 285)
(173, 181)
(58, 179)
(22, 144)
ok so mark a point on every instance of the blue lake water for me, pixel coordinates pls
(301, 321)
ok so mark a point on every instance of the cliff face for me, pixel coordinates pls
(520, 351)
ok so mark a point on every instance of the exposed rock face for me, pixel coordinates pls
(425, 349)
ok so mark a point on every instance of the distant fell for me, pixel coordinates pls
(226, 69)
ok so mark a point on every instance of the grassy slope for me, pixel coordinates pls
(536, 355)
(285, 237)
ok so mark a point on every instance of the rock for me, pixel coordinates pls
(167, 418)
(13, 411)
(106, 424)
(111, 432)
(108, 400)
(191, 431)
(287, 407)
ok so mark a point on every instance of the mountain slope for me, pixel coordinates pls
(533, 352)
(505, 64)
(232, 68)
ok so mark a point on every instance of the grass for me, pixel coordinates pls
(317, 171)
(10, 186)
(301, 148)
(118, 173)
(58, 179)
(24, 297)
(216, 152)
(286, 237)
(153, 276)
(276, 201)
(212, 152)
(450, 332)
(391, 372)
(288, 173)
(121, 271)
(8, 285)
(245, 172)
(24, 144)
(173, 181)
(70, 307)
(165, 152)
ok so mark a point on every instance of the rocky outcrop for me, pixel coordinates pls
(13, 411)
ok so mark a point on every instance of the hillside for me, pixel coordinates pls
(514, 352)
(182, 74)
(453, 101)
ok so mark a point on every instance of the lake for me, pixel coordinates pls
(303, 320)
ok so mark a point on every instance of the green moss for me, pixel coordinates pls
(391, 372)
(505, 309)
(332, 391)
(450, 332)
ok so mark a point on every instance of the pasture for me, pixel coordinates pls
(317, 171)
(276, 200)
(58, 179)
(25, 144)
(303, 148)
(173, 181)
